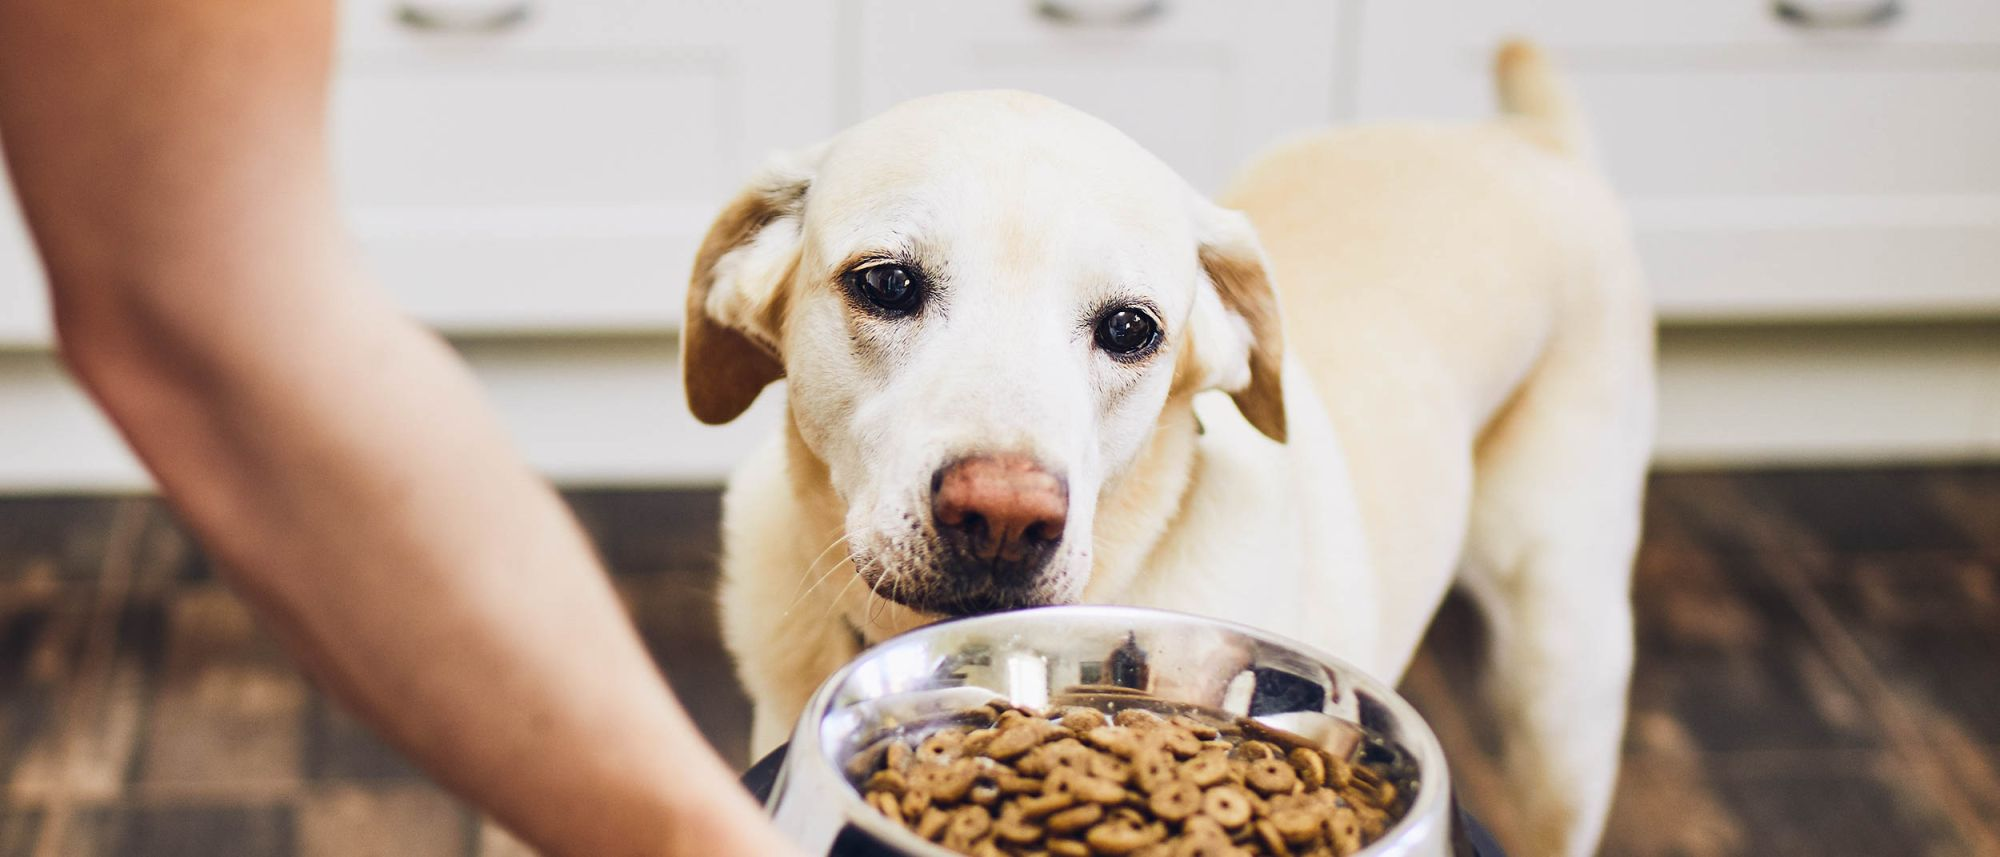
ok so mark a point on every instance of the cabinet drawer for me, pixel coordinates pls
(1202, 85)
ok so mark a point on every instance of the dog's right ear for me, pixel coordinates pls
(731, 340)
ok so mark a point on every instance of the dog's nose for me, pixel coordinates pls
(1003, 508)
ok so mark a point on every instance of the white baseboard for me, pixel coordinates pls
(608, 411)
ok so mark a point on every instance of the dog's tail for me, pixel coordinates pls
(1532, 93)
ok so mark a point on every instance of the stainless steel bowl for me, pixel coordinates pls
(1034, 657)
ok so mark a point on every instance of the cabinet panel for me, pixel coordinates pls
(1203, 85)
(1775, 171)
(557, 171)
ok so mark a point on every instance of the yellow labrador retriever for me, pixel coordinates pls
(1028, 365)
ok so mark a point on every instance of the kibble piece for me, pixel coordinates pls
(1195, 726)
(1018, 738)
(1298, 826)
(1153, 769)
(940, 748)
(1267, 833)
(968, 823)
(1075, 818)
(1310, 765)
(984, 794)
(1254, 750)
(932, 823)
(1176, 800)
(896, 757)
(1272, 776)
(1011, 783)
(1045, 803)
(1344, 830)
(1068, 848)
(1207, 768)
(1065, 753)
(974, 743)
(1138, 718)
(1119, 836)
(1116, 740)
(915, 803)
(886, 780)
(887, 804)
(1108, 767)
(1080, 719)
(1228, 805)
(1015, 827)
(947, 783)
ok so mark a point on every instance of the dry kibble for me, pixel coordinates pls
(1138, 718)
(1081, 720)
(1267, 834)
(1228, 805)
(887, 804)
(1045, 803)
(946, 783)
(886, 780)
(1119, 836)
(896, 757)
(1068, 848)
(915, 803)
(932, 823)
(1175, 801)
(1272, 776)
(1016, 828)
(1116, 740)
(968, 823)
(1310, 765)
(1153, 769)
(1207, 768)
(1203, 731)
(1076, 818)
(1004, 780)
(1254, 750)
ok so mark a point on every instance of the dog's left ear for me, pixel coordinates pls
(1238, 339)
(736, 300)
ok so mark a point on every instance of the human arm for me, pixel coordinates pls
(333, 456)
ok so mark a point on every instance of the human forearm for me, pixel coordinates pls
(336, 458)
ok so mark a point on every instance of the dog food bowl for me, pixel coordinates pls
(1064, 655)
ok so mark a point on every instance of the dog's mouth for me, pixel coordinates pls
(948, 593)
(956, 604)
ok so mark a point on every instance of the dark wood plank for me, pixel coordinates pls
(228, 715)
(183, 830)
(382, 821)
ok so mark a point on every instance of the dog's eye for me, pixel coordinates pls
(1127, 332)
(892, 288)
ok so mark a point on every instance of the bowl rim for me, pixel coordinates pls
(1431, 808)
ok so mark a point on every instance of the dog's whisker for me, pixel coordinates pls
(801, 597)
(842, 594)
(840, 537)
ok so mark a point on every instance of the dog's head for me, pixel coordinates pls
(982, 303)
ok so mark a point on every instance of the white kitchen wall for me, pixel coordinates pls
(531, 178)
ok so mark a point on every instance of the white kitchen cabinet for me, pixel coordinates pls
(1774, 169)
(1201, 84)
(539, 166)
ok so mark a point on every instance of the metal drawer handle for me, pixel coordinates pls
(1123, 13)
(1837, 16)
(462, 17)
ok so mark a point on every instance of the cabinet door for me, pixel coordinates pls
(1201, 84)
(531, 165)
(1774, 168)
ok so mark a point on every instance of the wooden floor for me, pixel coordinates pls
(1819, 673)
